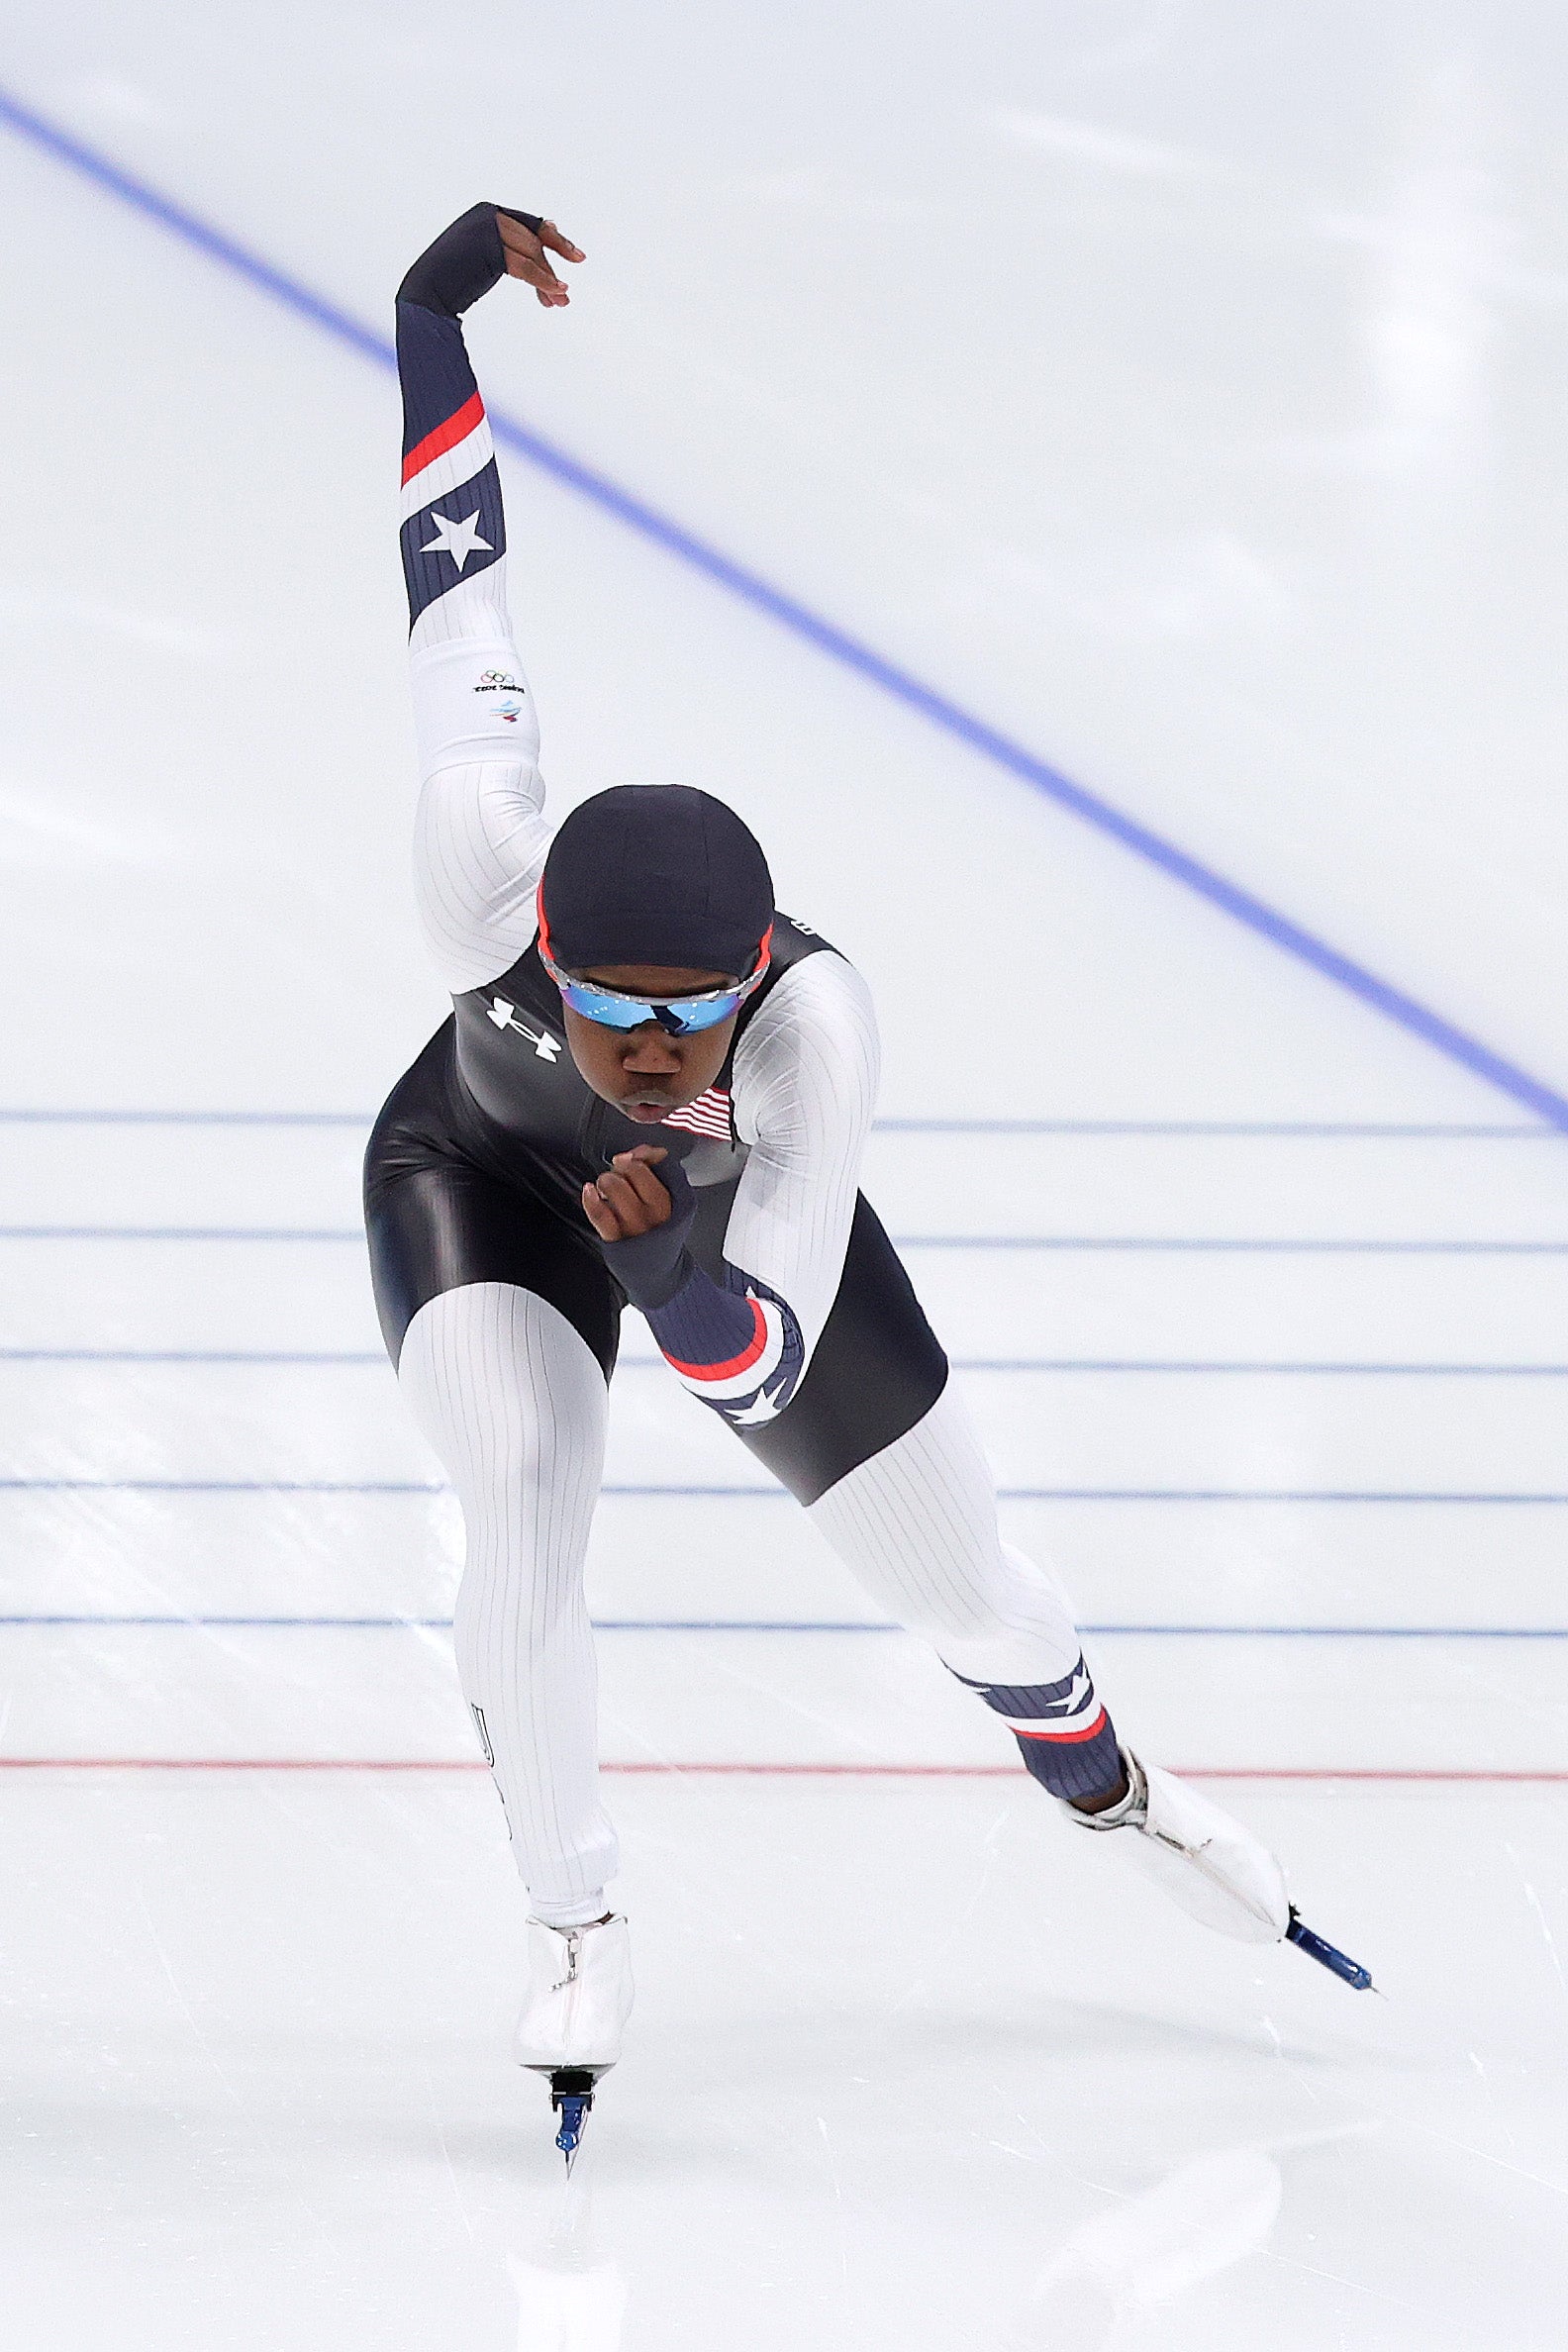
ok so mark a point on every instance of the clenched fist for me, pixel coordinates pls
(629, 1199)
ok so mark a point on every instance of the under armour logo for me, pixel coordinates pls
(505, 1016)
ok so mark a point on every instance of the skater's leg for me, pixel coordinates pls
(513, 1400)
(916, 1527)
(503, 1323)
(880, 1449)
(881, 1452)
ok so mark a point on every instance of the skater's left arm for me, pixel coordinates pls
(805, 1087)
(480, 836)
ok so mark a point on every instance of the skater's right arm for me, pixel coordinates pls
(480, 834)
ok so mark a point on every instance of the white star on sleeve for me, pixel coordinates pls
(456, 540)
(762, 1409)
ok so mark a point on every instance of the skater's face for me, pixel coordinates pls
(644, 1072)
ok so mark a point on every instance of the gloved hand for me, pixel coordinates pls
(488, 242)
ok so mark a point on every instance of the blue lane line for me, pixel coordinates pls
(332, 1358)
(1238, 1245)
(66, 1232)
(1192, 1244)
(444, 1625)
(329, 1356)
(1370, 1128)
(441, 1624)
(282, 1486)
(1347, 1371)
(760, 1494)
(1332, 1129)
(912, 692)
(359, 1120)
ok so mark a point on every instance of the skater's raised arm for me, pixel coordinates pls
(480, 837)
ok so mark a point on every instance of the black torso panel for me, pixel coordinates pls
(487, 1130)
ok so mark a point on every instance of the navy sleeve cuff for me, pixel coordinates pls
(647, 1269)
(463, 263)
(651, 1267)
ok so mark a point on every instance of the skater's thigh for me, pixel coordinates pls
(513, 1400)
(877, 1370)
(435, 1223)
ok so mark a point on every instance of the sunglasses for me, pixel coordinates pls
(676, 1016)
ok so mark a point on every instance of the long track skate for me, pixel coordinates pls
(578, 1998)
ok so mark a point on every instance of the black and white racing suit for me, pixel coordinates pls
(797, 1321)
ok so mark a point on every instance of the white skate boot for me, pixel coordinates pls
(578, 2000)
(1212, 1866)
(1216, 1869)
(1206, 1861)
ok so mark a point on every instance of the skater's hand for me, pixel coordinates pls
(486, 242)
(528, 258)
(629, 1199)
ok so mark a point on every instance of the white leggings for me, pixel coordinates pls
(514, 1403)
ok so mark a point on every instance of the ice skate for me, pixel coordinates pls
(1209, 1863)
(579, 1996)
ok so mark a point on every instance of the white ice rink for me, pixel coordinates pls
(1178, 388)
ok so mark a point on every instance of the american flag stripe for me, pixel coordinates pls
(708, 1114)
(719, 1128)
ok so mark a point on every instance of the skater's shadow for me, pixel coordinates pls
(1053, 2031)
(1147, 2253)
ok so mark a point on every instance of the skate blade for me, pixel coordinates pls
(1349, 1972)
(569, 2139)
(571, 2098)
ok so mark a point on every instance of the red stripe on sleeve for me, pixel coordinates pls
(446, 437)
(751, 1355)
(1064, 1738)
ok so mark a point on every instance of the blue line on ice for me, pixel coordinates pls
(852, 653)
(1364, 1129)
(764, 1494)
(1285, 1245)
(332, 1358)
(396, 1624)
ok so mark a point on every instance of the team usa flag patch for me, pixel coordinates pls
(708, 1114)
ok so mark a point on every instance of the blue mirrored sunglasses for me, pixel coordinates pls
(676, 1016)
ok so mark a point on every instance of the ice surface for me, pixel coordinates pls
(1178, 388)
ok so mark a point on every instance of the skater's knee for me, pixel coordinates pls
(536, 1591)
(949, 1619)
(502, 1385)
